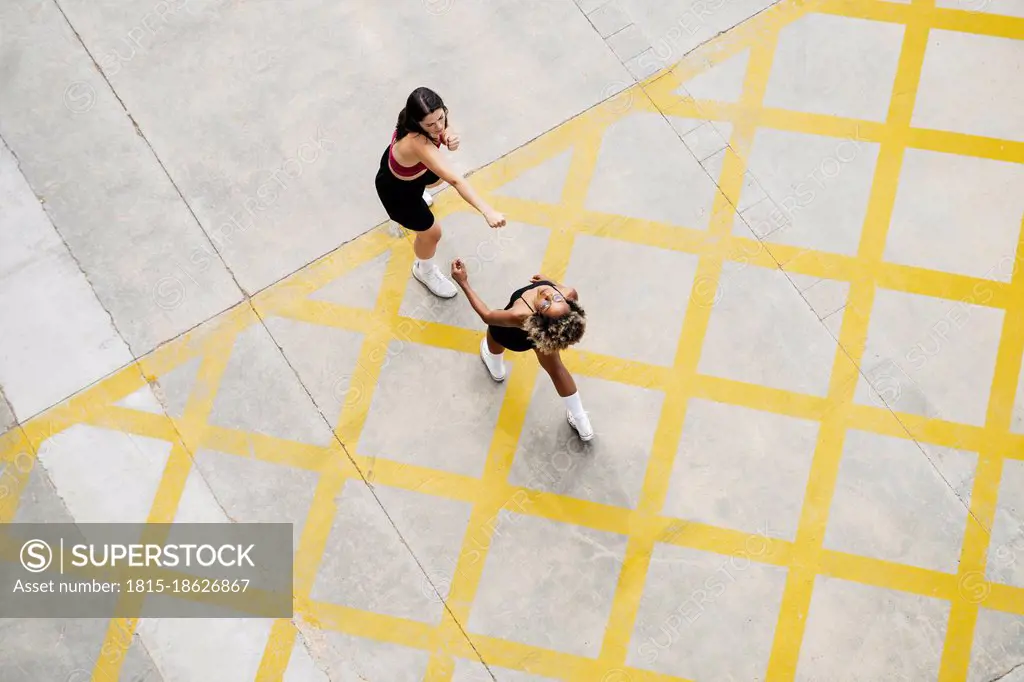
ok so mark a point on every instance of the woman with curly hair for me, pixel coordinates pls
(412, 163)
(544, 317)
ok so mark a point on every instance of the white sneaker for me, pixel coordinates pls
(432, 279)
(494, 365)
(585, 430)
(427, 197)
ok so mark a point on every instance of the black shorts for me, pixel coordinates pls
(403, 199)
(511, 338)
(515, 338)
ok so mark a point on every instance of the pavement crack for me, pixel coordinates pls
(142, 135)
(67, 247)
(10, 410)
(369, 487)
(999, 677)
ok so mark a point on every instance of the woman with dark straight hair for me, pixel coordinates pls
(412, 163)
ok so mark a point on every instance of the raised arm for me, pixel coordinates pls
(497, 318)
(568, 292)
(435, 161)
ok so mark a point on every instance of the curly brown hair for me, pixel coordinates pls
(552, 334)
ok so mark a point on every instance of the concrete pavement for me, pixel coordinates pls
(798, 248)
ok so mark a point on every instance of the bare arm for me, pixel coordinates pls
(434, 160)
(498, 318)
(568, 292)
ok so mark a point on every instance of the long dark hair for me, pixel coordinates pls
(421, 103)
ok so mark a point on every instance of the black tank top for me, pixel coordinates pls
(518, 293)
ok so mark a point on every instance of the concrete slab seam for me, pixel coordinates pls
(991, 438)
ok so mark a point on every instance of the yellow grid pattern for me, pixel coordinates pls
(645, 526)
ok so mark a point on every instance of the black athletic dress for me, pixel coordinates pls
(403, 199)
(515, 338)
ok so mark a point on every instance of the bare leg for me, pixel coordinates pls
(560, 376)
(425, 245)
(566, 387)
(424, 269)
(493, 346)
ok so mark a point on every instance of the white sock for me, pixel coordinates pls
(424, 264)
(495, 363)
(575, 406)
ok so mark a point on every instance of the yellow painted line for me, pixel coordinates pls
(763, 398)
(19, 459)
(552, 143)
(644, 232)
(963, 21)
(317, 528)
(946, 434)
(324, 270)
(482, 522)
(96, 403)
(421, 479)
(582, 166)
(880, 205)
(984, 495)
(266, 448)
(808, 123)
(745, 251)
(449, 337)
(709, 55)
(569, 510)
(75, 410)
(197, 342)
(796, 596)
(822, 124)
(800, 581)
(312, 543)
(529, 212)
(749, 251)
(11, 442)
(944, 141)
(324, 313)
(964, 612)
(962, 288)
(982, 23)
(172, 484)
(1009, 357)
(1005, 598)
(629, 591)
(539, 661)
(404, 632)
(611, 368)
(888, 575)
(555, 664)
(738, 38)
(545, 147)
(135, 422)
(645, 526)
(640, 545)
(374, 352)
(323, 508)
(725, 541)
(966, 145)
